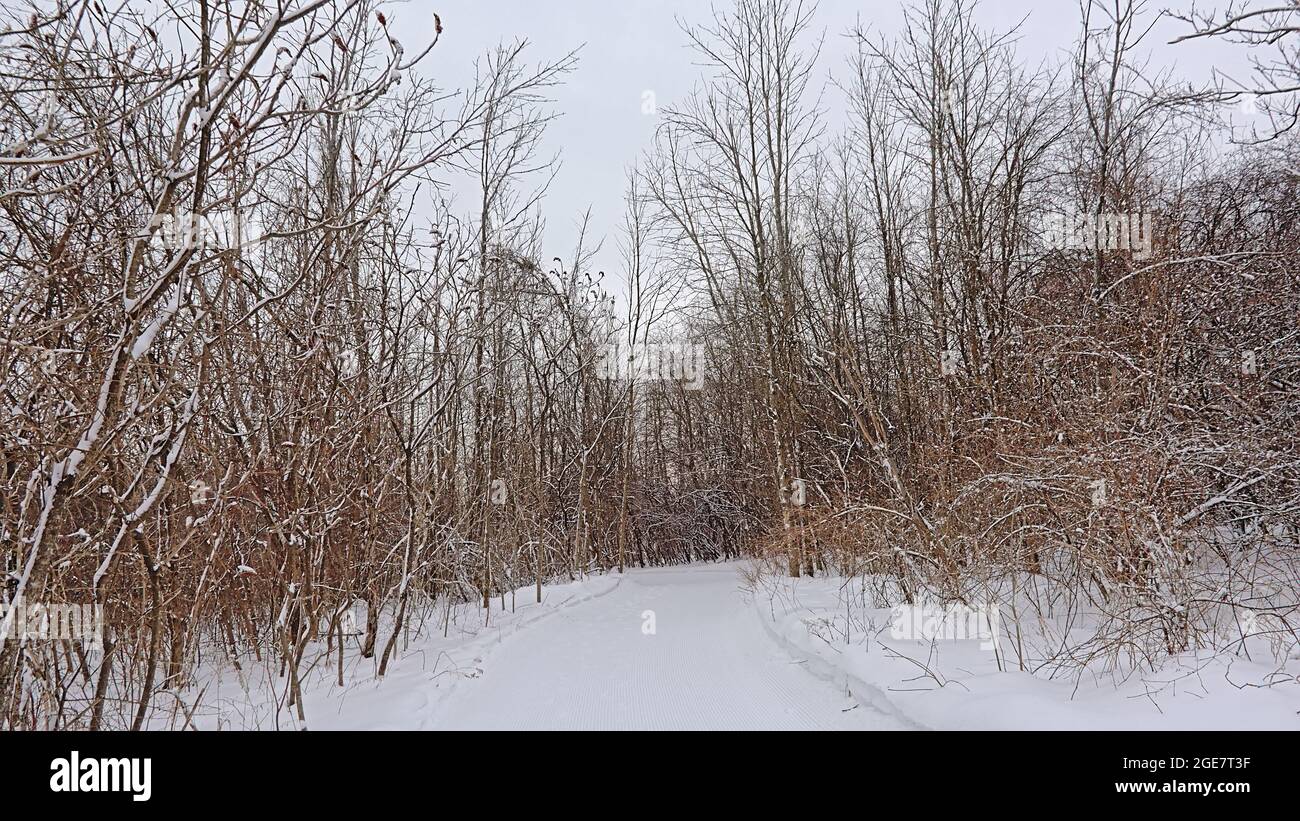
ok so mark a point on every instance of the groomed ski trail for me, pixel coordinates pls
(707, 665)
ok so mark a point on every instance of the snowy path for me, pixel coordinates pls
(709, 665)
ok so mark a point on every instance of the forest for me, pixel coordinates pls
(994, 331)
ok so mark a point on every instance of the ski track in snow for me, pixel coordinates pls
(708, 666)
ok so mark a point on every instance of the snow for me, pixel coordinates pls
(957, 685)
(578, 660)
(708, 665)
(702, 647)
(145, 340)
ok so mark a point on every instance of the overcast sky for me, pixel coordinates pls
(629, 47)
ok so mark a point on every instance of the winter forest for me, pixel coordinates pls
(303, 407)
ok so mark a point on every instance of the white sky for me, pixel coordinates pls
(629, 47)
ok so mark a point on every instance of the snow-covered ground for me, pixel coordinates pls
(706, 647)
(951, 684)
(667, 649)
(675, 648)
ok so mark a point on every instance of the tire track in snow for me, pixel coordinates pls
(709, 665)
